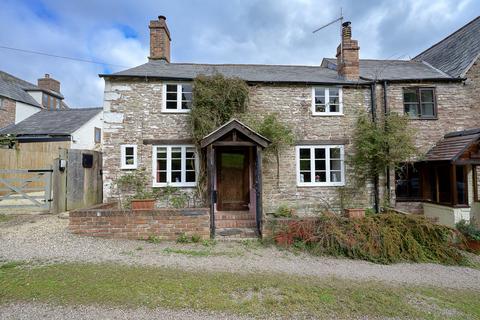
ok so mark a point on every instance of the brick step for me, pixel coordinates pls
(234, 216)
(235, 223)
(236, 233)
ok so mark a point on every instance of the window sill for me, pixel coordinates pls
(321, 184)
(128, 168)
(175, 111)
(176, 185)
(327, 114)
(409, 118)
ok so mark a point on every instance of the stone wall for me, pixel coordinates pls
(166, 224)
(7, 112)
(132, 113)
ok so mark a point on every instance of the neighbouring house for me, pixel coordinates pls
(20, 99)
(146, 126)
(48, 131)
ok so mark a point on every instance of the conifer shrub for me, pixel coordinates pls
(385, 238)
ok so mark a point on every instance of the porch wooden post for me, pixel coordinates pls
(211, 187)
(453, 186)
(258, 188)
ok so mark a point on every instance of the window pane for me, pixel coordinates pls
(190, 153)
(428, 110)
(162, 164)
(335, 165)
(129, 151)
(335, 153)
(190, 164)
(176, 176)
(410, 95)
(171, 88)
(319, 108)
(186, 88)
(171, 96)
(161, 153)
(461, 194)
(426, 95)
(186, 96)
(190, 176)
(176, 153)
(411, 109)
(186, 105)
(305, 176)
(320, 165)
(320, 100)
(129, 160)
(334, 108)
(304, 153)
(319, 92)
(319, 153)
(162, 176)
(320, 176)
(171, 104)
(304, 165)
(333, 92)
(176, 164)
(335, 176)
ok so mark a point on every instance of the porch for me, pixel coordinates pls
(447, 181)
(234, 180)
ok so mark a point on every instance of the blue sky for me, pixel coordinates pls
(210, 31)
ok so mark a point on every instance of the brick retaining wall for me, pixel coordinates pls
(107, 221)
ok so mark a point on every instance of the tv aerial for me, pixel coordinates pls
(340, 18)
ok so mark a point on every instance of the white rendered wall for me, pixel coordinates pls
(23, 111)
(84, 137)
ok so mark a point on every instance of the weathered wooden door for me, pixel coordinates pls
(233, 179)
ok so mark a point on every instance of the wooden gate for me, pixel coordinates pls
(26, 188)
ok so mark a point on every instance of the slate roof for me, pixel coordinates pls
(14, 88)
(60, 122)
(453, 145)
(456, 53)
(396, 70)
(247, 72)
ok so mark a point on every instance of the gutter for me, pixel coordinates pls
(385, 110)
(373, 100)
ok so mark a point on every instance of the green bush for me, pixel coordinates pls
(283, 211)
(385, 238)
(468, 230)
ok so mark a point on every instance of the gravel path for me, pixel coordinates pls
(25, 311)
(46, 238)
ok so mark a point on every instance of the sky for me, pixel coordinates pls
(115, 32)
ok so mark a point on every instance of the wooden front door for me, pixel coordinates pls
(233, 181)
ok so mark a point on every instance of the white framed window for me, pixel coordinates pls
(128, 156)
(320, 165)
(177, 97)
(327, 101)
(174, 165)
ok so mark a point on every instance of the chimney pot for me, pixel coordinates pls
(159, 39)
(47, 75)
(348, 63)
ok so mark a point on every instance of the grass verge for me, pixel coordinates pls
(254, 294)
(4, 217)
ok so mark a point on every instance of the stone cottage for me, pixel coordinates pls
(146, 126)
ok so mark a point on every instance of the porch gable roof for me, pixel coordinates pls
(230, 126)
(453, 145)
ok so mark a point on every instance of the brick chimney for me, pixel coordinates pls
(48, 83)
(159, 39)
(347, 54)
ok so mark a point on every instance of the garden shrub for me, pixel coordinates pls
(385, 238)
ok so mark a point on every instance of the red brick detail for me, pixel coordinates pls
(48, 83)
(7, 112)
(109, 222)
(355, 213)
(159, 39)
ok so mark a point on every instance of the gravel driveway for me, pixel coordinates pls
(46, 238)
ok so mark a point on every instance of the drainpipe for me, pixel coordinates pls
(385, 110)
(373, 98)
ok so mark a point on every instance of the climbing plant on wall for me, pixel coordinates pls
(380, 145)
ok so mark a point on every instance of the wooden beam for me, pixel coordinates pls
(167, 141)
(258, 189)
(322, 142)
(211, 187)
(453, 184)
(233, 144)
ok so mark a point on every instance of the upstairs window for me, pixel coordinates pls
(419, 103)
(177, 97)
(320, 166)
(174, 166)
(327, 101)
(128, 156)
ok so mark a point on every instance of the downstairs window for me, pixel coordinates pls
(320, 165)
(174, 166)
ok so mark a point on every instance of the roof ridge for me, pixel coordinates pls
(18, 79)
(247, 64)
(447, 37)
